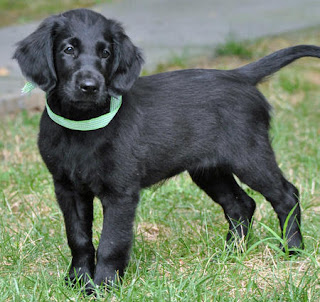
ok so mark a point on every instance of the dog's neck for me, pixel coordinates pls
(71, 110)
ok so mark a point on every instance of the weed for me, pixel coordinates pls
(234, 47)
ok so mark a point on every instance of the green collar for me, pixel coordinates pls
(85, 125)
(91, 124)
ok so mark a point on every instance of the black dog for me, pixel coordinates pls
(212, 123)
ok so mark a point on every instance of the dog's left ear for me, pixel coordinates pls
(127, 63)
(34, 55)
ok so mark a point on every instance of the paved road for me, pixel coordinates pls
(164, 28)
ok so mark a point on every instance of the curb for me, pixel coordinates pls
(14, 103)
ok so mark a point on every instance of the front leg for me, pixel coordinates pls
(77, 209)
(116, 238)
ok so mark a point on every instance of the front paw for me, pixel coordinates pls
(78, 276)
(101, 285)
(107, 278)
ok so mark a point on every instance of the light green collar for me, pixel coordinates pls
(91, 124)
(85, 125)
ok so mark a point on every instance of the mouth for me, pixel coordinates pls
(90, 104)
(86, 101)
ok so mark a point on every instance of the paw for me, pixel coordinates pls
(78, 276)
(292, 245)
(107, 280)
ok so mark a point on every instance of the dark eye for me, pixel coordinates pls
(105, 53)
(69, 50)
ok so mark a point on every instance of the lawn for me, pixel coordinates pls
(178, 252)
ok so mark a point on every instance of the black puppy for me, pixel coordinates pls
(212, 123)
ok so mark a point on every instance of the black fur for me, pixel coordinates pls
(212, 123)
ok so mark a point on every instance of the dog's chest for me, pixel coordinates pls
(83, 162)
(83, 166)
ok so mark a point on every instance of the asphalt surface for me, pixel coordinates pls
(168, 28)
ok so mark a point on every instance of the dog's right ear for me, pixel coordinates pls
(35, 56)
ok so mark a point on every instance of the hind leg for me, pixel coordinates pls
(262, 174)
(222, 188)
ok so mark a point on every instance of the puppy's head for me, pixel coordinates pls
(80, 55)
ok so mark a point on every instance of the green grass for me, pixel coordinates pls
(234, 47)
(21, 11)
(178, 252)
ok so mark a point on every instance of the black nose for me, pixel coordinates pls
(89, 86)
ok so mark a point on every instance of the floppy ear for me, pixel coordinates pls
(35, 58)
(127, 62)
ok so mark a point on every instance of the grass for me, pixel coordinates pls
(178, 253)
(21, 11)
(233, 47)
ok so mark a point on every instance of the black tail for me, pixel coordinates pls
(256, 71)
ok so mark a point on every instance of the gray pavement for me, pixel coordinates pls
(164, 28)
